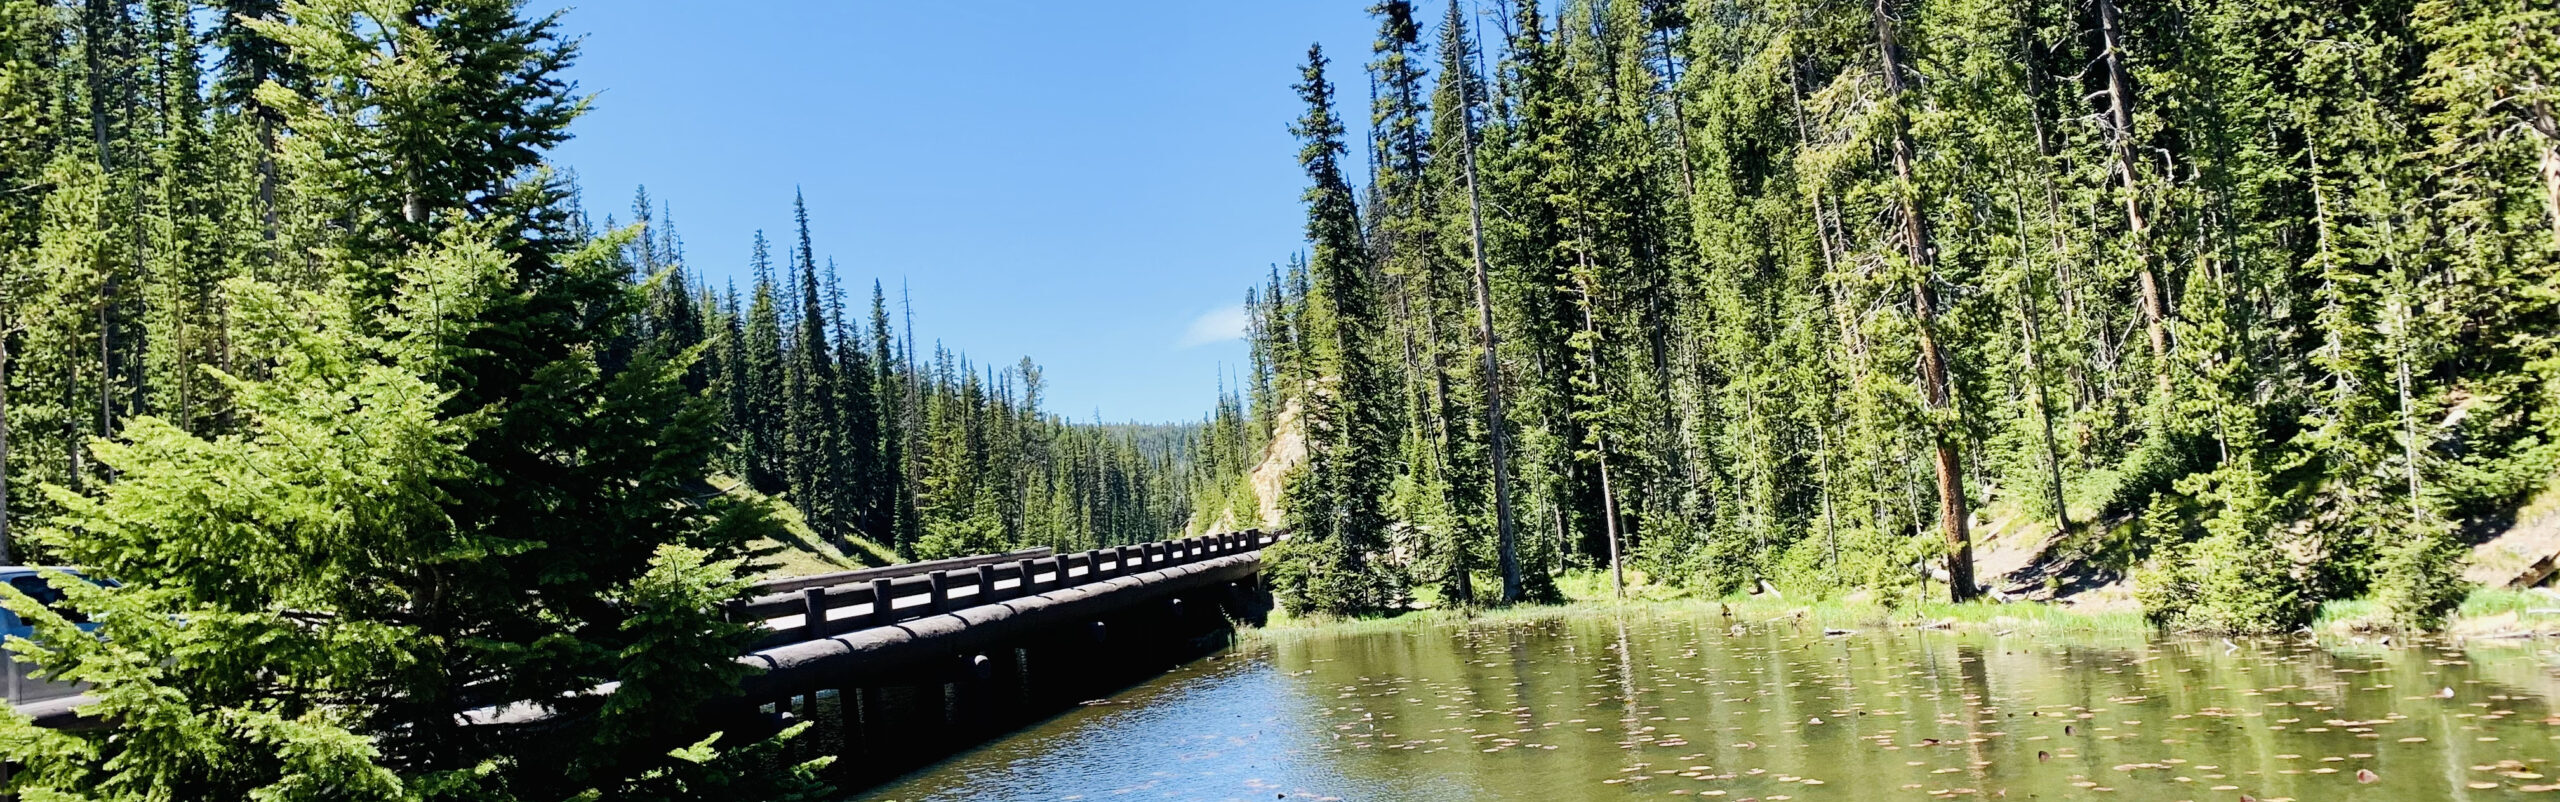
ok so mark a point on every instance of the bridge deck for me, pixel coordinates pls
(883, 600)
(865, 624)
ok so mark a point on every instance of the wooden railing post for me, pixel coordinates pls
(815, 602)
(986, 584)
(1062, 580)
(880, 610)
(1024, 589)
(941, 591)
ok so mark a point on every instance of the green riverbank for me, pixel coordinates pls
(2485, 615)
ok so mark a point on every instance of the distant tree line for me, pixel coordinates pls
(2254, 298)
(841, 413)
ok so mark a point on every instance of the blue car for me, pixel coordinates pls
(17, 686)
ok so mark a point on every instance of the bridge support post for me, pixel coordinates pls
(851, 739)
(950, 730)
(1023, 691)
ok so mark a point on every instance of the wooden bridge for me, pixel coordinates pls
(915, 621)
(943, 622)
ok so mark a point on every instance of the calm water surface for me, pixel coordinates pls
(1655, 704)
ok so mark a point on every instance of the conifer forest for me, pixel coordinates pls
(376, 417)
(1803, 294)
(302, 332)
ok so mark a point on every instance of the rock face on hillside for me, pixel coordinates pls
(1286, 451)
(2526, 553)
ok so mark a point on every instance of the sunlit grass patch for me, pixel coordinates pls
(2524, 603)
(1989, 616)
(2485, 613)
(1588, 596)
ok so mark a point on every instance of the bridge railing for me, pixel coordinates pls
(882, 600)
(794, 584)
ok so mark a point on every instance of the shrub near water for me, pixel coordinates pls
(2420, 580)
(2232, 580)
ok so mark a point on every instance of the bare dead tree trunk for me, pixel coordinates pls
(1443, 417)
(6, 557)
(2155, 308)
(1599, 432)
(2044, 411)
(2408, 414)
(1496, 435)
(2032, 343)
(2550, 130)
(1954, 519)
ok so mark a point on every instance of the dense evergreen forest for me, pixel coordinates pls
(872, 438)
(2254, 298)
(306, 343)
(168, 182)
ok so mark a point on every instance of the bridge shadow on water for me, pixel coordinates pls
(888, 727)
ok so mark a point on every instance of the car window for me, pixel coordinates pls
(36, 588)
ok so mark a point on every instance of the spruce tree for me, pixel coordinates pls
(762, 370)
(812, 420)
(1337, 507)
(528, 528)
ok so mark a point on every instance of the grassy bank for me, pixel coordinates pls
(2486, 613)
(1588, 595)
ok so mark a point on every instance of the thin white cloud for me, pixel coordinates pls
(1216, 326)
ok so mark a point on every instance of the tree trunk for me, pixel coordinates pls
(6, 557)
(93, 34)
(2550, 130)
(2044, 412)
(1496, 435)
(1443, 417)
(2408, 414)
(1830, 518)
(2155, 309)
(1954, 520)
(1679, 121)
(1600, 446)
(2031, 344)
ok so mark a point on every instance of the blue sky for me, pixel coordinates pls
(1093, 185)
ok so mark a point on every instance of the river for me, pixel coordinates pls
(1654, 703)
